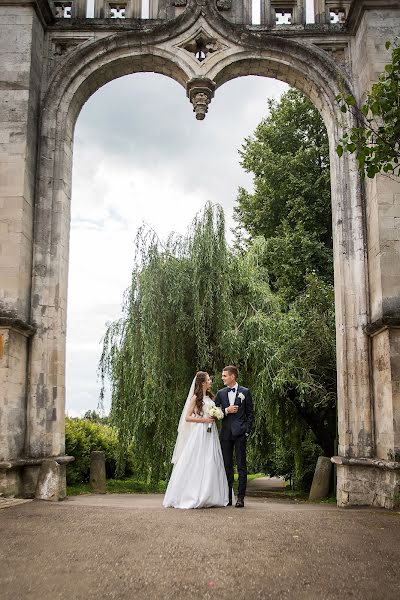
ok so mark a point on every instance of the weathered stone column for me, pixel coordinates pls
(355, 422)
(377, 481)
(383, 215)
(21, 56)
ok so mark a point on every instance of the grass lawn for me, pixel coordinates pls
(132, 486)
(120, 486)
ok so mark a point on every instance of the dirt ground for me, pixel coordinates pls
(129, 547)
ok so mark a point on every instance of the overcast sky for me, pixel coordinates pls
(140, 155)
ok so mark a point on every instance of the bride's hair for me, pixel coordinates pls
(201, 377)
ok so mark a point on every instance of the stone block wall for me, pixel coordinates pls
(21, 55)
(21, 50)
(367, 486)
(13, 359)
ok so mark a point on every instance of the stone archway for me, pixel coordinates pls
(227, 51)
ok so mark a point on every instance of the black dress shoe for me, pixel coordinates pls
(240, 502)
(229, 503)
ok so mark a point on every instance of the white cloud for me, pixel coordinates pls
(140, 155)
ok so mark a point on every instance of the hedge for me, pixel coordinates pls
(82, 436)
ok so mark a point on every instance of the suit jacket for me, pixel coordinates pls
(240, 423)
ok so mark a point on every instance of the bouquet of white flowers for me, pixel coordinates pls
(216, 413)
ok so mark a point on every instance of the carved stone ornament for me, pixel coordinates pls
(201, 44)
(200, 103)
(200, 93)
(224, 4)
(63, 46)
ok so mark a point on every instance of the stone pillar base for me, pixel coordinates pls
(367, 482)
(48, 484)
(10, 482)
(19, 477)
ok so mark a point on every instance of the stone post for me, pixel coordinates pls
(322, 478)
(98, 472)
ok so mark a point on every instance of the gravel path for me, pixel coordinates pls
(129, 547)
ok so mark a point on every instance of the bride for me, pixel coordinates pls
(198, 478)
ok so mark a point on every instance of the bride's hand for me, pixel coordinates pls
(208, 420)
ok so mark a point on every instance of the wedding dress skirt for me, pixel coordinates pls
(198, 478)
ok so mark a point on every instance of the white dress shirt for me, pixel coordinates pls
(232, 397)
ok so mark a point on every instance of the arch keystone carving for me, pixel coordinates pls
(201, 44)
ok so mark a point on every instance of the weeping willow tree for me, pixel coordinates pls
(287, 357)
(174, 317)
(193, 304)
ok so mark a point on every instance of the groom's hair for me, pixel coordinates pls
(232, 370)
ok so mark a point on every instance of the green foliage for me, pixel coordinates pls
(290, 207)
(120, 486)
(92, 415)
(376, 141)
(290, 343)
(295, 462)
(82, 436)
(287, 356)
(268, 308)
(173, 324)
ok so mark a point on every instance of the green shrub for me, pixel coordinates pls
(288, 458)
(82, 436)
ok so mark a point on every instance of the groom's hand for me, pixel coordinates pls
(232, 409)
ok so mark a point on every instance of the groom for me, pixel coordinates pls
(237, 405)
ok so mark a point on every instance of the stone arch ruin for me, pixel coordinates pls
(53, 56)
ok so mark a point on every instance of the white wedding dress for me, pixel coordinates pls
(198, 478)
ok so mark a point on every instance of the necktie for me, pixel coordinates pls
(231, 389)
